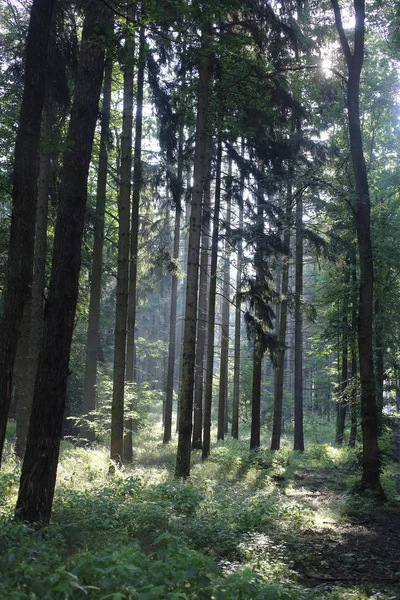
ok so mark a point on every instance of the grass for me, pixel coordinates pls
(246, 525)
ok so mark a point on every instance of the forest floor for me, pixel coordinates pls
(246, 526)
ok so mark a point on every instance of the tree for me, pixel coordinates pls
(354, 61)
(39, 468)
(189, 339)
(24, 194)
(124, 207)
(92, 343)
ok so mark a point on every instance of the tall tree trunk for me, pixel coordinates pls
(369, 414)
(353, 349)
(137, 186)
(236, 357)
(40, 463)
(34, 307)
(189, 342)
(225, 301)
(121, 308)
(92, 342)
(211, 309)
(202, 311)
(342, 404)
(257, 351)
(174, 301)
(280, 355)
(17, 289)
(298, 332)
(379, 359)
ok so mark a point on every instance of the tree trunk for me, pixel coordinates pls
(354, 60)
(298, 332)
(379, 359)
(189, 339)
(137, 186)
(92, 342)
(174, 301)
(226, 288)
(202, 312)
(257, 352)
(280, 355)
(211, 309)
(121, 308)
(35, 306)
(40, 463)
(17, 289)
(342, 404)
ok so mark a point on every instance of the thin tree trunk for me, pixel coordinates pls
(353, 350)
(257, 353)
(40, 463)
(379, 359)
(298, 332)
(137, 186)
(174, 301)
(189, 342)
(202, 312)
(121, 308)
(211, 309)
(369, 414)
(342, 405)
(280, 355)
(236, 358)
(223, 373)
(92, 342)
(18, 280)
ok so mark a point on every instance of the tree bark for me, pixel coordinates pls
(136, 189)
(257, 352)
(354, 61)
(17, 289)
(211, 309)
(174, 301)
(121, 308)
(202, 312)
(225, 301)
(298, 332)
(280, 355)
(236, 357)
(92, 342)
(189, 341)
(35, 306)
(40, 463)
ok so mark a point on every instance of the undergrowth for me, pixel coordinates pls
(231, 532)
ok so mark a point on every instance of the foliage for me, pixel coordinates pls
(233, 531)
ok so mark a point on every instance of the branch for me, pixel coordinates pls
(340, 29)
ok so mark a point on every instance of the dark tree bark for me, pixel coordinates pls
(354, 61)
(133, 255)
(189, 339)
(34, 308)
(202, 312)
(40, 463)
(257, 352)
(211, 309)
(236, 357)
(225, 301)
(121, 307)
(19, 272)
(280, 355)
(298, 332)
(92, 342)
